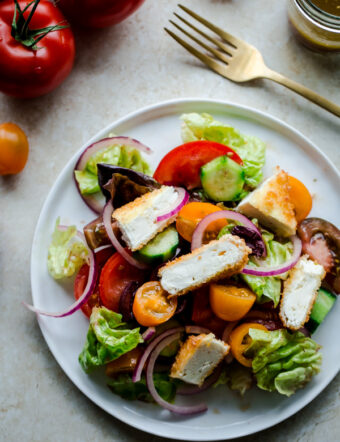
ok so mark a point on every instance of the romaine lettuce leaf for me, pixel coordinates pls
(107, 339)
(236, 377)
(125, 388)
(251, 149)
(283, 361)
(87, 181)
(65, 256)
(268, 288)
(116, 155)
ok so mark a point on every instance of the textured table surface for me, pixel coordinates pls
(119, 70)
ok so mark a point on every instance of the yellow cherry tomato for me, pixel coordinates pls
(13, 149)
(191, 214)
(300, 197)
(240, 341)
(229, 302)
(152, 306)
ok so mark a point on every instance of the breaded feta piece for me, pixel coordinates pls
(198, 357)
(271, 205)
(300, 291)
(137, 220)
(218, 259)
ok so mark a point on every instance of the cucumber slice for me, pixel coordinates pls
(222, 179)
(161, 248)
(322, 306)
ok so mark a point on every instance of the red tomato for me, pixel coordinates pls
(115, 276)
(203, 315)
(81, 280)
(78, 289)
(98, 13)
(181, 166)
(25, 72)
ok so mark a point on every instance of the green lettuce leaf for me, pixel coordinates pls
(268, 288)
(65, 254)
(125, 388)
(283, 361)
(116, 155)
(87, 181)
(251, 149)
(241, 378)
(236, 377)
(107, 339)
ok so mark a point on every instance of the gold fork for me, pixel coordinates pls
(237, 60)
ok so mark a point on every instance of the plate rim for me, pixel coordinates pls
(255, 114)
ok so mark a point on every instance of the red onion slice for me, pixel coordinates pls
(136, 376)
(277, 270)
(107, 215)
(188, 390)
(183, 198)
(137, 373)
(197, 237)
(149, 333)
(178, 409)
(91, 283)
(91, 200)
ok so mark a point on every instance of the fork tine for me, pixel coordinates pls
(218, 43)
(233, 41)
(217, 53)
(206, 59)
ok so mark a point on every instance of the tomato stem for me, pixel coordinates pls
(20, 26)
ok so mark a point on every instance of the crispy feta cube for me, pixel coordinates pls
(198, 357)
(300, 291)
(138, 220)
(215, 260)
(271, 204)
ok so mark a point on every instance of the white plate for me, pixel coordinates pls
(159, 127)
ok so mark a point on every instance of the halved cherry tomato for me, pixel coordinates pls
(240, 341)
(203, 315)
(114, 277)
(300, 197)
(152, 306)
(81, 280)
(13, 149)
(78, 289)
(182, 165)
(191, 214)
(229, 302)
(125, 363)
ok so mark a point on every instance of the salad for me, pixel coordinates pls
(200, 274)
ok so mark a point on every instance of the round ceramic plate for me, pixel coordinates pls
(228, 416)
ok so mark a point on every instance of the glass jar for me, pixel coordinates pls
(315, 27)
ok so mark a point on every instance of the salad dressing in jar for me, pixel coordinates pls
(316, 23)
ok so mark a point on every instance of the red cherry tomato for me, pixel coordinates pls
(98, 13)
(78, 289)
(81, 280)
(181, 166)
(114, 278)
(25, 72)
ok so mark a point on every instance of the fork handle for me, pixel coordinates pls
(302, 90)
